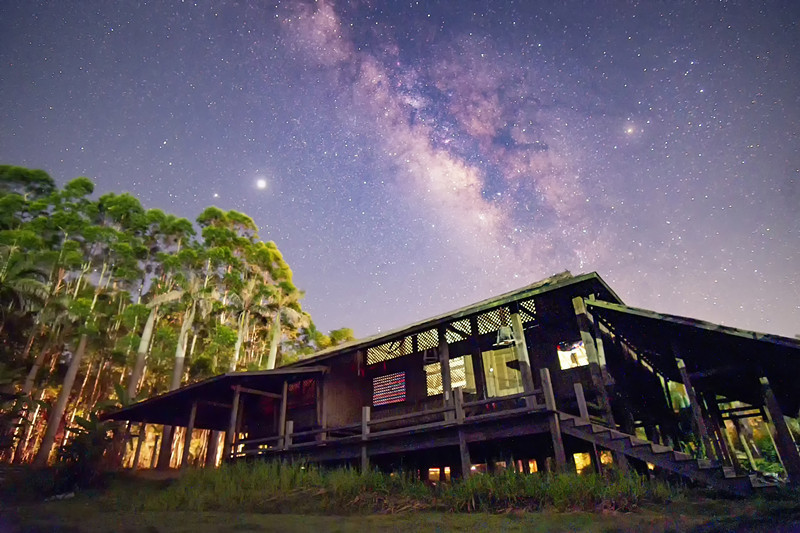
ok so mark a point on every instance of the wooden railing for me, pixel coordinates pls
(455, 412)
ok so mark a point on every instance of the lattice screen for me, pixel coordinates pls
(462, 326)
(389, 350)
(427, 340)
(527, 311)
(492, 320)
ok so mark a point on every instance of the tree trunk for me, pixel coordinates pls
(239, 338)
(57, 412)
(141, 354)
(165, 455)
(274, 341)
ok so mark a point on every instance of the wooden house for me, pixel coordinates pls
(531, 380)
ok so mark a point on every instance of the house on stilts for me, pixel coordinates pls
(534, 379)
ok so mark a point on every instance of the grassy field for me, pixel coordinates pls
(273, 497)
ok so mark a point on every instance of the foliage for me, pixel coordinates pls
(274, 487)
(79, 461)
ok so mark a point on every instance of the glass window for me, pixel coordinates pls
(501, 368)
(461, 375)
(572, 355)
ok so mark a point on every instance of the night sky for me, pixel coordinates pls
(409, 158)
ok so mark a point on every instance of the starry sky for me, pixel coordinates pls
(411, 157)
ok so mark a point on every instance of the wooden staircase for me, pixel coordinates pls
(704, 471)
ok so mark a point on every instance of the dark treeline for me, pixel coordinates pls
(103, 302)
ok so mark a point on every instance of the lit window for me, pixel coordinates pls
(460, 376)
(583, 462)
(572, 355)
(390, 388)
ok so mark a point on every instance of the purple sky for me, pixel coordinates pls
(419, 156)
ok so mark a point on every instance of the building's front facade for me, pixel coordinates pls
(526, 380)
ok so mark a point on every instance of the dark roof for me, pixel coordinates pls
(215, 395)
(726, 360)
(590, 283)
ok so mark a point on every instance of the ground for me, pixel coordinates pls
(83, 514)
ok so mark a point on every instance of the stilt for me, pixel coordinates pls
(697, 414)
(555, 424)
(282, 416)
(139, 442)
(785, 446)
(230, 436)
(365, 417)
(187, 440)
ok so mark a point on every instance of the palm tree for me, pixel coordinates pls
(22, 284)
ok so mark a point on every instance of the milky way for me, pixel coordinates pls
(411, 158)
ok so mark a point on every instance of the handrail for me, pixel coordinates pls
(364, 430)
(414, 414)
(517, 396)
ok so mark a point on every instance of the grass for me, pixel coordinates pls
(278, 488)
(277, 497)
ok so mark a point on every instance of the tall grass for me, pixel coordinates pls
(274, 487)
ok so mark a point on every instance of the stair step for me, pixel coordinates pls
(707, 464)
(658, 448)
(680, 456)
(638, 442)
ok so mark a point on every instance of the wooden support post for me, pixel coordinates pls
(444, 364)
(582, 409)
(139, 442)
(458, 401)
(287, 439)
(230, 436)
(155, 453)
(521, 351)
(463, 449)
(477, 359)
(365, 417)
(282, 416)
(718, 425)
(322, 415)
(697, 414)
(740, 433)
(586, 327)
(187, 440)
(555, 423)
(785, 446)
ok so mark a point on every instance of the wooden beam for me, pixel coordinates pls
(585, 327)
(521, 351)
(215, 404)
(697, 414)
(139, 442)
(477, 359)
(365, 416)
(582, 409)
(716, 417)
(785, 446)
(555, 424)
(444, 364)
(187, 439)
(282, 416)
(463, 449)
(230, 436)
(287, 439)
(257, 392)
